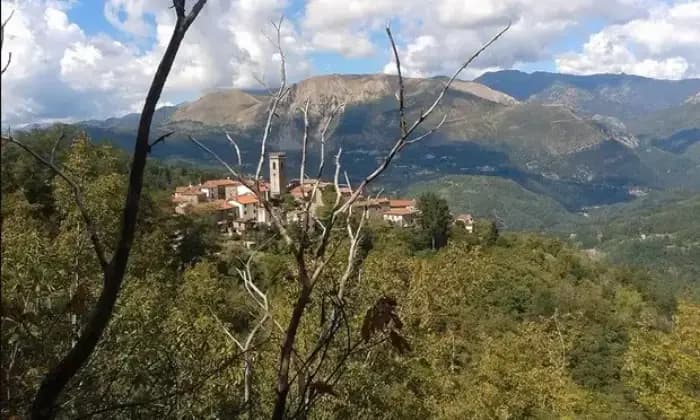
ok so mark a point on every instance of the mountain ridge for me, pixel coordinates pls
(616, 95)
(579, 158)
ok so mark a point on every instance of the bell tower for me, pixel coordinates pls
(277, 181)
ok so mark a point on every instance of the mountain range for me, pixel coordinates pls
(580, 140)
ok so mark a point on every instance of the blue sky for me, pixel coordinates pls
(100, 55)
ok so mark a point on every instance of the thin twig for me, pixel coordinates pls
(429, 132)
(2, 40)
(55, 146)
(400, 142)
(304, 141)
(215, 156)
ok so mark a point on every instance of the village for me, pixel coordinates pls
(236, 208)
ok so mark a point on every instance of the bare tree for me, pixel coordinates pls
(319, 241)
(114, 268)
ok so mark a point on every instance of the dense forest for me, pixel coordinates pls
(488, 325)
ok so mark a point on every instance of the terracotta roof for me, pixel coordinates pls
(402, 203)
(399, 211)
(210, 206)
(246, 199)
(212, 183)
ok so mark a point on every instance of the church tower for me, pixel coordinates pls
(277, 181)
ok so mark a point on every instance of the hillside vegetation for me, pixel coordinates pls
(489, 326)
(492, 197)
(660, 232)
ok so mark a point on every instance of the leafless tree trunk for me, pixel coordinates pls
(44, 405)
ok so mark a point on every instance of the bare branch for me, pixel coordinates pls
(215, 156)
(54, 382)
(338, 195)
(194, 12)
(304, 141)
(77, 194)
(347, 181)
(279, 96)
(2, 41)
(280, 50)
(401, 141)
(333, 113)
(9, 60)
(402, 109)
(429, 132)
(324, 130)
(261, 81)
(226, 331)
(238, 150)
(160, 139)
(55, 146)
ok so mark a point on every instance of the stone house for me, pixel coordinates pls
(467, 220)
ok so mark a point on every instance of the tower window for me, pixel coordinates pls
(274, 165)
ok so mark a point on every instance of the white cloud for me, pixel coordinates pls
(60, 72)
(664, 44)
(127, 15)
(435, 37)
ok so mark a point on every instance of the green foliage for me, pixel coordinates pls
(659, 232)
(663, 368)
(491, 325)
(434, 219)
(490, 196)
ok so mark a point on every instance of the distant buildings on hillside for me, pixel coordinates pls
(237, 208)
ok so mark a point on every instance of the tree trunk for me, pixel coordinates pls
(45, 402)
(247, 383)
(286, 353)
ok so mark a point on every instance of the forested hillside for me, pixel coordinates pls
(660, 232)
(491, 197)
(489, 326)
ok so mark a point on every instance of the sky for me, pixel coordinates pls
(82, 59)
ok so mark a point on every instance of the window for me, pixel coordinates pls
(274, 165)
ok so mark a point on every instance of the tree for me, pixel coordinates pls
(491, 233)
(435, 219)
(114, 268)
